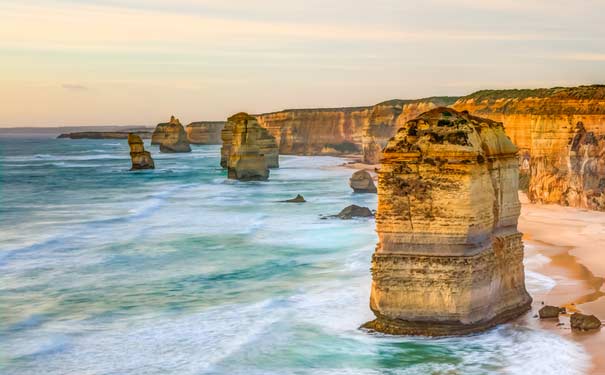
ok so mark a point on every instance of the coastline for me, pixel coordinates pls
(564, 244)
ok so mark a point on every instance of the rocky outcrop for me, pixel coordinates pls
(560, 135)
(550, 312)
(583, 322)
(104, 135)
(241, 153)
(449, 258)
(354, 211)
(141, 159)
(297, 199)
(339, 131)
(205, 132)
(262, 139)
(362, 182)
(171, 137)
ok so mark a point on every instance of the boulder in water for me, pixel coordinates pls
(298, 199)
(353, 211)
(583, 322)
(362, 182)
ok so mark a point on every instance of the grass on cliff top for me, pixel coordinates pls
(579, 92)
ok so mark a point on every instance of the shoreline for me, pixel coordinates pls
(563, 244)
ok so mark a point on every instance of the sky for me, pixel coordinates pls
(136, 62)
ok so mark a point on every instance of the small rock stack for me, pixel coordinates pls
(141, 159)
(362, 182)
(171, 137)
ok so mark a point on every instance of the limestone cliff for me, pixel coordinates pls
(104, 135)
(205, 132)
(141, 159)
(543, 123)
(337, 131)
(171, 137)
(263, 140)
(449, 258)
(241, 153)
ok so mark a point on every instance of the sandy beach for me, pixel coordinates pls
(567, 244)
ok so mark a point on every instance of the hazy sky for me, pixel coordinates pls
(94, 62)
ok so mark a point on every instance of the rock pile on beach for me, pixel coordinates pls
(171, 137)
(140, 158)
(583, 322)
(362, 182)
(550, 312)
(449, 258)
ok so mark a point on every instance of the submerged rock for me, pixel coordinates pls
(353, 211)
(241, 154)
(449, 259)
(171, 137)
(141, 159)
(298, 199)
(362, 182)
(583, 322)
(549, 312)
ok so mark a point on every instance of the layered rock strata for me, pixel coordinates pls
(205, 132)
(450, 258)
(559, 132)
(338, 131)
(171, 137)
(263, 140)
(241, 153)
(362, 182)
(140, 158)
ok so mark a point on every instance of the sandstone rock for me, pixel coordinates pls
(141, 159)
(583, 322)
(362, 182)
(298, 199)
(241, 154)
(561, 130)
(449, 258)
(353, 211)
(205, 132)
(548, 312)
(105, 135)
(171, 137)
(262, 139)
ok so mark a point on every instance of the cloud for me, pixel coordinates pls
(74, 87)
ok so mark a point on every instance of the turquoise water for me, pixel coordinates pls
(179, 271)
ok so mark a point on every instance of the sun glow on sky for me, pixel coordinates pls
(77, 62)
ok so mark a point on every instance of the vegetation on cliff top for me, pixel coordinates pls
(581, 92)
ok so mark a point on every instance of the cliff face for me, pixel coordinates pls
(337, 131)
(449, 257)
(543, 123)
(262, 139)
(104, 135)
(171, 137)
(141, 159)
(242, 152)
(205, 132)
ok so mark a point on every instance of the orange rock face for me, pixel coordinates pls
(205, 132)
(141, 159)
(543, 123)
(449, 258)
(171, 137)
(337, 131)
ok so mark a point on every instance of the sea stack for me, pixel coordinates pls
(263, 139)
(141, 159)
(171, 137)
(241, 153)
(362, 182)
(450, 258)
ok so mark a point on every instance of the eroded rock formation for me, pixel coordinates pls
(362, 182)
(449, 257)
(338, 131)
(205, 132)
(241, 153)
(262, 139)
(141, 159)
(171, 137)
(559, 132)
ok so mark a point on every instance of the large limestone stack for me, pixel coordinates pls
(205, 132)
(449, 257)
(141, 159)
(171, 137)
(263, 140)
(241, 153)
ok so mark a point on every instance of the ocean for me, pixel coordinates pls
(181, 271)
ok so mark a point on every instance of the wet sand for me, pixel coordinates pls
(568, 245)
